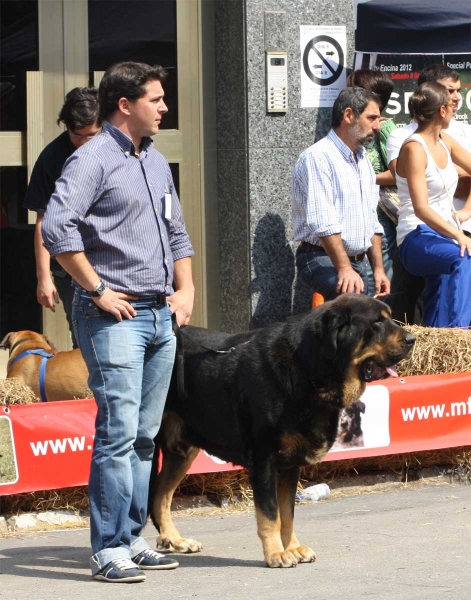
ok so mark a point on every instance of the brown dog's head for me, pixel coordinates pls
(14, 340)
(350, 341)
(359, 332)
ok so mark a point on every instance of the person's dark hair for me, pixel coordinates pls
(125, 80)
(373, 80)
(435, 72)
(80, 108)
(427, 100)
(355, 98)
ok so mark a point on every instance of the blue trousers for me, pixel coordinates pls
(447, 296)
(130, 365)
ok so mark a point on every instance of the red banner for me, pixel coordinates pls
(48, 446)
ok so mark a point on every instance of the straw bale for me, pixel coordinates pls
(437, 351)
(14, 392)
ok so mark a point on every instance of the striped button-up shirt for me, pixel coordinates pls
(111, 204)
(335, 192)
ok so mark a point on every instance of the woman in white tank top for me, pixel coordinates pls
(429, 236)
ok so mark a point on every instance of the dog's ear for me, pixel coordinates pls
(6, 342)
(332, 321)
(49, 341)
(361, 406)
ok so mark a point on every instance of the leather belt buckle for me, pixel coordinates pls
(358, 257)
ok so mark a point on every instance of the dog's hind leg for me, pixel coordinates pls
(286, 486)
(174, 468)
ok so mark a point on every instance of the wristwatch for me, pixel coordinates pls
(99, 290)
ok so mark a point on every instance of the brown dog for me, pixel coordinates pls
(66, 373)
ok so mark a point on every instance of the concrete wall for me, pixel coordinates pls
(257, 152)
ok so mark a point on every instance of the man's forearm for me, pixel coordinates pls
(375, 253)
(182, 275)
(334, 247)
(77, 265)
(43, 260)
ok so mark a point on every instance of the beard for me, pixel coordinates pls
(359, 137)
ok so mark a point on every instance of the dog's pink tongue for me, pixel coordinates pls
(392, 371)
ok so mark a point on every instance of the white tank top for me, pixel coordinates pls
(438, 197)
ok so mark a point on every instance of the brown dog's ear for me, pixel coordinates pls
(6, 342)
(332, 320)
(49, 341)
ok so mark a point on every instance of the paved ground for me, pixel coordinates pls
(411, 543)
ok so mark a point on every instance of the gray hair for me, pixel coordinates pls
(355, 98)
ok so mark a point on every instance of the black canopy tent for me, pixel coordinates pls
(414, 27)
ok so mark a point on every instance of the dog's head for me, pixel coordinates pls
(352, 340)
(14, 340)
(350, 421)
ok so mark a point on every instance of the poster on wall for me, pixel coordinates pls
(405, 69)
(323, 60)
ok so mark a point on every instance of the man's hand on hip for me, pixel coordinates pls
(116, 304)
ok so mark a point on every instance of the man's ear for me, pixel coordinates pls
(123, 106)
(348, 115)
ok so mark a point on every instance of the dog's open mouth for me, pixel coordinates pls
(371, 371)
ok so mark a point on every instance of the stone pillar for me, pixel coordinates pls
(257, 152)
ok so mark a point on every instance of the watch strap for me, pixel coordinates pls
(98, 291)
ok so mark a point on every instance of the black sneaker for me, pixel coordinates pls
(120, 570)
(150, 559)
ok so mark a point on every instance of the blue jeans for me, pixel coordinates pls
(317, 271)
(130, 365)
(437, 258)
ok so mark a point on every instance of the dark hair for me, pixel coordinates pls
(435, 72)
(80, 108)
(374, 81)
(125, 80)
(426, 101)
(355, 98)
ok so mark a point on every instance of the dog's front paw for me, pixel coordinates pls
(178, 545)
(281, 559)
(303, 554)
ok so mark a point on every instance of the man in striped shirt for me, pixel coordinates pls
(115, 224)
(334, 203)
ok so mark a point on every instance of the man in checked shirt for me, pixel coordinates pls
(115, 224)
(334, 203)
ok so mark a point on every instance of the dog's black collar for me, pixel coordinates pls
(18, 343)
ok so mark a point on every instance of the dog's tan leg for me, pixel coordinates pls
(174, 468)
(287, 482)
(263, 481)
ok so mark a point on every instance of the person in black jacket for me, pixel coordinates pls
(79, 115)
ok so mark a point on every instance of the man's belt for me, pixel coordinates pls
(314, 248)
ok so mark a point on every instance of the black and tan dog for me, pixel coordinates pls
(65, 374)
(349, 432)
(270, 400)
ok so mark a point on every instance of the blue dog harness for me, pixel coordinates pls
(42, 370)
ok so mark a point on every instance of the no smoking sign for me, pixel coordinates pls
(323, 60)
